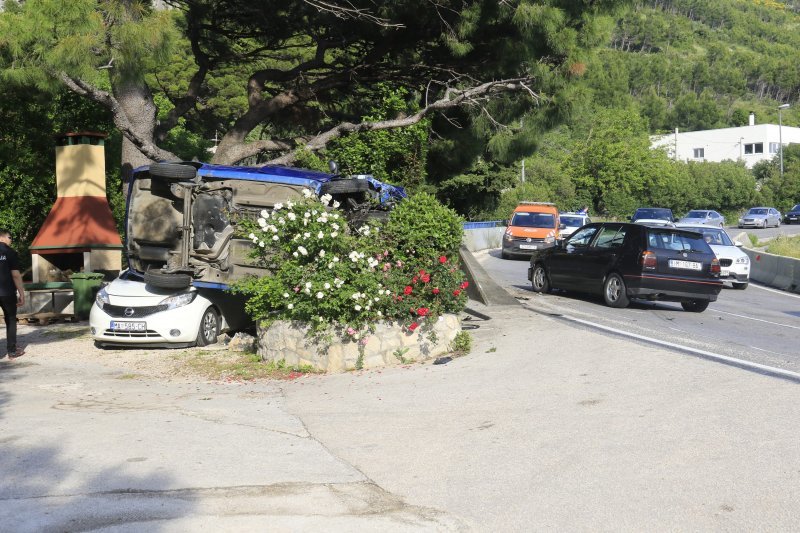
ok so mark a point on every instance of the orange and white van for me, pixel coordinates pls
(533, 226)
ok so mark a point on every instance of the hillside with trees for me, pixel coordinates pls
(448, 97)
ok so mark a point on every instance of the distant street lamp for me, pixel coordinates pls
(780, 134)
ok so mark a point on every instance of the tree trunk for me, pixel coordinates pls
(136, 101)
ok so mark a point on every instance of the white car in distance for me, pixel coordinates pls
(572, 221)
(734, 263)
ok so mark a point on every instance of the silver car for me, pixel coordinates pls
(704, 217)
(760, 217)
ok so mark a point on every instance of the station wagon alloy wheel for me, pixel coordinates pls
(539, 282)
(614, 291)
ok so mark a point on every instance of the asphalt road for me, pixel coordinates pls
(759, 324)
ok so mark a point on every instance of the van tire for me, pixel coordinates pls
(175, 171)
(344, 186)
(162, 280)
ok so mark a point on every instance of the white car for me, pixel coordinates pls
(572, 221)
(734, 263)
(131, 312)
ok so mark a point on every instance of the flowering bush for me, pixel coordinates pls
(328, 274)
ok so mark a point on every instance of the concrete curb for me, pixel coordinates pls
(481, 286)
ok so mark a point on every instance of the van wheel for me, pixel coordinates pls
(344, 186)
(175, 171)
(695, 306)
(162, 280)
(539, 281)
(209, 328)
(614, 291)
(741, 286)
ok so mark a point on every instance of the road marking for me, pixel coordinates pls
(724, 359)
(757, 319)
(776, 291)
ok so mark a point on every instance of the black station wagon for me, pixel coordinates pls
(623, 261)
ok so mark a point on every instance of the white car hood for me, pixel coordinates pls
(127, 292)
(728, 252)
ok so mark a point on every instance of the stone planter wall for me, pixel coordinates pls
(289, 341)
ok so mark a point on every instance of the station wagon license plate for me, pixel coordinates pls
(128, 326)
(527, 247)
(686, 265)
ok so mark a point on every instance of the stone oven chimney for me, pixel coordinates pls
(79, 234)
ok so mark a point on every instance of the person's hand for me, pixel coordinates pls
(20, 300)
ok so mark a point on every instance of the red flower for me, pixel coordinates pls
(435, 290)
(407, 290)
(413, 326)
(422, 311)
(414, 279)
(465, 285)
(442, 259)
(426, 278)
(456, 292)
(421, 272)
(399, 298)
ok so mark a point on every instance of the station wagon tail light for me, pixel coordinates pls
(715, 267)
(649, 260)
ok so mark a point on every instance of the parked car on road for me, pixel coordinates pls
(703, 216)
(623, 261)
(572, 221)
(533, 226)
(655, 214)
(183, 248)
(733, 262)
(792, 216)
(760, 217)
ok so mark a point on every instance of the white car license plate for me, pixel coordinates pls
(724, 272)
(686, 265)
(527, 247)
(116, 325)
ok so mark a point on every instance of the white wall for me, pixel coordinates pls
(726, 143)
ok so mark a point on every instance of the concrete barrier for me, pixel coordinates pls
(774, 270)
(483, 235)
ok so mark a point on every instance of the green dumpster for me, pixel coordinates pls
(84, 288)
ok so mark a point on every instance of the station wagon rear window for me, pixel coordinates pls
(682, 242)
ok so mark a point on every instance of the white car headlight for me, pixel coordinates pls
(179, 300)
(742, 260)
(101, 298)
(550, 239)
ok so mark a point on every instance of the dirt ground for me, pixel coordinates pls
(73, 342)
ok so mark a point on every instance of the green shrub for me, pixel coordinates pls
(462, 343)
(327, 274)
(421, 228)
(785, 246)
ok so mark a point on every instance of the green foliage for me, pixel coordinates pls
(329, 275)
(420, 228)
(785, 246)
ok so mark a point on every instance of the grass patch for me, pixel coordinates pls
(462, 344)
(234, 366)
(754, 242)
(785, 246)
(66, 332)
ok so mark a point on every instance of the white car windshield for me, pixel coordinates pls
(572, 221)
(717, 236)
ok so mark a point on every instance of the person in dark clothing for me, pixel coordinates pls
(12, 294)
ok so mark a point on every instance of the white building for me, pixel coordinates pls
(751, 144)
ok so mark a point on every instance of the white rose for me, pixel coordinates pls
(320, 295)
(264, 213)
(290, 306)
(327, 285)
(357, 308)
